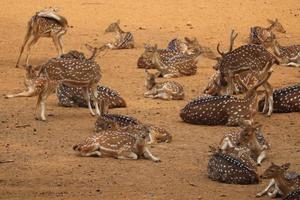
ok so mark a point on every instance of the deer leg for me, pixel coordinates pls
(28, 93)
(86, 95)
(261, 157)
(292, 64)
(226, 143)
(30, 44)
(93, 153)
(95, 100)
(265, 191)
(127, 155)
(41, 104)
(148, 155)
(269, 91)
(60, 44)
(27, 37)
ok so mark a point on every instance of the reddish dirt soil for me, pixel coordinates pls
(45, 166)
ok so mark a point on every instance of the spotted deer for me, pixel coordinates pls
(73, 96)
(232, 167)
(251, 137)
(294, 195)
(223, 110)
(173, 64)
(286, 100)
(294, 61)
(122, 40)
(249, 58)
(84, 73)
(117, 144)
(45, 23)
(260, 35)
(167, 90)
(117, 122)
(282, 182)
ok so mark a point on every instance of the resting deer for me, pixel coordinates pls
(73, 96)
(123, 40)
(294, 61)
(117, 122)
(84, 73)
(228, 110)
(117, 144)
(45, 23)
(282, 181)
(250, 137)
(260, 35)
(168, 90)
(247, 58)
(286, 100)
(234, 167)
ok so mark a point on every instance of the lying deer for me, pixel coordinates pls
(117, 122)
(286, 100)
(232, 167)
(73, 96)
(45, 23)
(117, 144)
(168, 90)
(123, 40)
(84, 73)
(228, 110)
(247, 58)
(294, 61)
(282, 182)
(260, 35)
(250, 137)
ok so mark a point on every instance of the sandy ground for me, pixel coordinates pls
(45, 166)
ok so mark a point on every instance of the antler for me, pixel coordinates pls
(233, 36)
(220, 52)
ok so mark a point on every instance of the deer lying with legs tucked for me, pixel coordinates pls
(168, 90)
(247, 58)
(45, 23)
(282, 181)
(123, 40)
(260, 35)
(84, 73)
(228, 110)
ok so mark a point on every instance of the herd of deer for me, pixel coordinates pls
(243, 70)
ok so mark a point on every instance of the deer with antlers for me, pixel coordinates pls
(249, 58)
(45, 23)
(260, 35)
(84, 73)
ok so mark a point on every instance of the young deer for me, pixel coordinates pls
(250, 137)
(247, 58)
(172, 64)
(282, 181)
(73, 96)
(123, 40)
(228, 110)
(45, 23)
(117, 144)
(286, 100)
(84, 73)
(232, 167)
(168, 90)
(260, 35)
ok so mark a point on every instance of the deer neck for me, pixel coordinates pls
(284, 185)
(271, 27)
(156, 60)
(276, 48)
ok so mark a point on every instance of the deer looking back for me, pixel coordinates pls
(45, 23)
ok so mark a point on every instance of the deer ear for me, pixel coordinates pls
(285, 166)
(270, 21)
(155, 47)
(187, 39)
(118, 21)
(89, 47)
(157, 74)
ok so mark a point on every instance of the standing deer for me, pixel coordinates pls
(163, 90)
(249, 58)
(260, 35)
(84, 73)
(123, 40)
(228, 110)
(45, 23)
(282, 181)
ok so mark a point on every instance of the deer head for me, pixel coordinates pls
(275, 170)
(95, 51)
(192, 46)
(276, 26)
(214, 86)
(150, 79)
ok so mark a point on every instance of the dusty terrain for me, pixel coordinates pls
(45, 166)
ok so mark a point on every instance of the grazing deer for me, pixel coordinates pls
(167, 90)
(260, 35)
(231, 168)
(219, 110)
(45, 23)
(117, 122)
(117, 144)
(73, 96)
(282, 181)
(123, 40)
(172, 64)
(84, 73)
(250, 137)
(251, 58)
(286, 100)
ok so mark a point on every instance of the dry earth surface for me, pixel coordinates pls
(45, 166)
